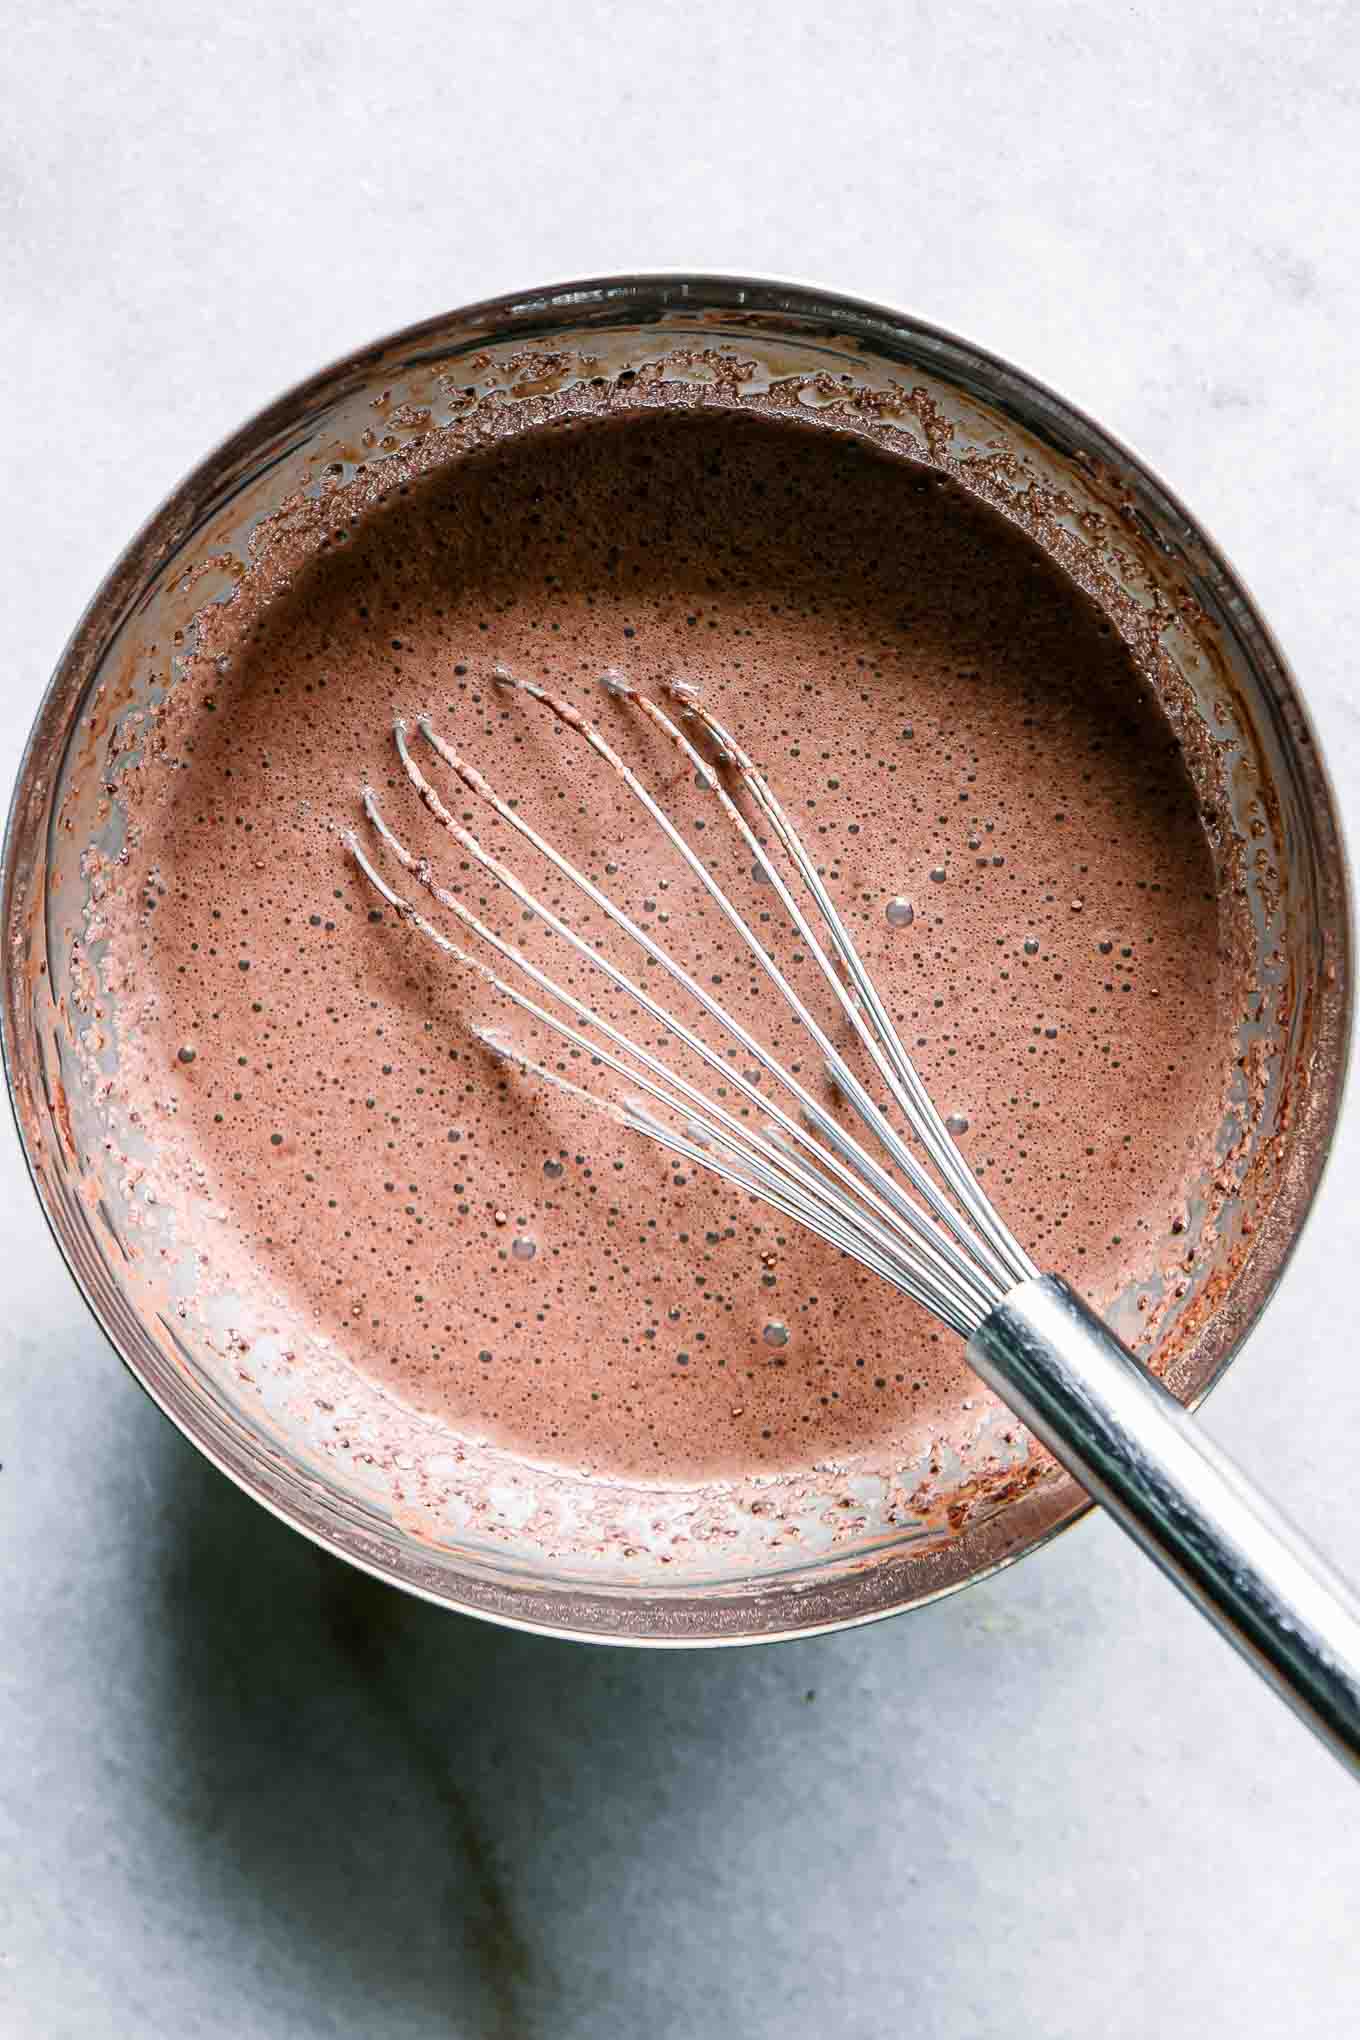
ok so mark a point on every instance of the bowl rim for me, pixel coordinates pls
(678, 289)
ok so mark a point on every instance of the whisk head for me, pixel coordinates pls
(891, 1188)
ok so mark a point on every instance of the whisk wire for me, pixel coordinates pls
(811, 1110)
(844, 1077)
(920, 1257)
(850, 1002)
(807, 1166)
(910, 1093)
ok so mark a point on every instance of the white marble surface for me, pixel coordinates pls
(246, 1793)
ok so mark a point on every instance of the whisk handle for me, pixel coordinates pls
(1138, 1452)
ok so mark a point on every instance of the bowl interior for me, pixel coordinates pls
(1050, 469)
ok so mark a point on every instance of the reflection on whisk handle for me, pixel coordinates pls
(1136, 1450)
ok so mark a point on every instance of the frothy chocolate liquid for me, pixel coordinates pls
(975, 763)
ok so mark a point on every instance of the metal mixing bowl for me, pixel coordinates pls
(963, 405)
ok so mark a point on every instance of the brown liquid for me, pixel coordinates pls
(949, 720)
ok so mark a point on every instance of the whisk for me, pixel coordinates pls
(896, 1193)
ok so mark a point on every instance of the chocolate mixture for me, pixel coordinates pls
(973, 758)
